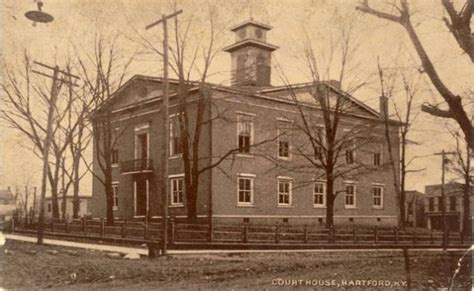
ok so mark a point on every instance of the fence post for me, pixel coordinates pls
(462, 237)
(84, 226)
(52, 224)
(331, 234)
(102, 227)
(305, 234)
(432, 237)
(245, 234)
(13, 224)
(376, 235)
(145, 230)
(124, 229)
(67, 224)
(354, 238)
(277, 233)
(396, 235)
(210, 234)
(172, 231)
(414, 236)
(447, 236)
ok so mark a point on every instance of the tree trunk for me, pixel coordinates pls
(330, 197)
(191, 200)
(75, 205)
(109, 195)
(75, 186)
(54, 200)
(467, 228)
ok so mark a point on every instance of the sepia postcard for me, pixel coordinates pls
(236, 144)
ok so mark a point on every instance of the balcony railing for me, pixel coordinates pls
(136, 166)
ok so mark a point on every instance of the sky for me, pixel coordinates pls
(296, 25)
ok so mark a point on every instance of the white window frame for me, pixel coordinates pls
(171, 139)
(115, 189)
(382, 190)
(319, 129)
(250, 177)
(379, 159)
(252, 128)
(323, 205)
(140, 132)
(354, 195)
(281, 123)
(351, 148)
(114, 163)
(380, 152)
(177, 178)
(290, 191)
(147, 185)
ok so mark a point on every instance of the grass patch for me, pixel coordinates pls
(26, 265)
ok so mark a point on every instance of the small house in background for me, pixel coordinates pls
(7, 205)
(84, 201)
(415, 209)
(454, 206)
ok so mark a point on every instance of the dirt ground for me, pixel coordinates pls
(29, 266)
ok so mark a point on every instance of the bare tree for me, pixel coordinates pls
(25, 103)
(405, 115)
(459, 26)
(461, 166)
(102, 72)
(330, 133)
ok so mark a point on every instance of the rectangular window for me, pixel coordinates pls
(115, 196)
(431, 204)
(245, 191)
(410, 208)
(377, 195)
(318, 153)
(350, 196)
(177, 192)
(141, 146)
(114, 156)
(283, 143)
(319, 194)
(440, 203)
(244, 133)
(176, 147)
(349, 156)
(284, 192)
(452, 203)
(318, 140)
(377, 159)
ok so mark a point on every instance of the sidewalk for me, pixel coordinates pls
(142, 251)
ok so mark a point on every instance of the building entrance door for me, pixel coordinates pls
(141, 196)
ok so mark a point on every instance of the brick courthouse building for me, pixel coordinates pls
(253, 185)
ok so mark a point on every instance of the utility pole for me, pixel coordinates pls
(54, 93)
(63, 185)
(443, 196)
(166, 127)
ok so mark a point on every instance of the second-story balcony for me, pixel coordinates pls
(136, 166)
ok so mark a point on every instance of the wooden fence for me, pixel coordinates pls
(181, 234)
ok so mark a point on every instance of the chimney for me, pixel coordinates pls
(383, 107)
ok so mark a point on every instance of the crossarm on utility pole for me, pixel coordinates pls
(165, 17)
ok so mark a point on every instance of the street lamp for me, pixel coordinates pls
(39, 15)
